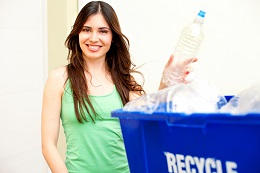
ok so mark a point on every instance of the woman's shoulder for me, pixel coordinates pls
(57, 78)
(59, 74)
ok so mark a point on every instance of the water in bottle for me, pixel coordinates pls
(190, 39)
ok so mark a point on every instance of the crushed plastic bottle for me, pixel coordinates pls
(247, 101)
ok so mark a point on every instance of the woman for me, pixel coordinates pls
(96, 81)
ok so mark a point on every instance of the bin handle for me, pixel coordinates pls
(179, 124)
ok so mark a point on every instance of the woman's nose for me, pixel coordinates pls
(94, 37)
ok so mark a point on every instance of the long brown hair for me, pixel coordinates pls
(117, 59)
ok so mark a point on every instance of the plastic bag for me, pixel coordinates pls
(196, 96)
(246, 101)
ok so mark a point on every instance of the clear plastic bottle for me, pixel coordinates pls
(186, 48)
(190, 39)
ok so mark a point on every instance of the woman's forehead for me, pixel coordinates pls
(96, 21)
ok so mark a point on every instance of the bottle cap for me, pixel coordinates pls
(201, 13)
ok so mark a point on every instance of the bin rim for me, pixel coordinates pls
(194, 118)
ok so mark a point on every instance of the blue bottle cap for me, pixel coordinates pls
(201, 13)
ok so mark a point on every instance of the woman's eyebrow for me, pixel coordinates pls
(98, 28)
(86, 27)
(104, 28)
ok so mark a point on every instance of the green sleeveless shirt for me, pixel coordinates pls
(94, 147)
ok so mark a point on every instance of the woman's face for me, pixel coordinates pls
(95, 37)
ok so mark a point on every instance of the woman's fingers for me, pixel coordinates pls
(190, 60)
(195, 59)
(184, 63)
(170, 61)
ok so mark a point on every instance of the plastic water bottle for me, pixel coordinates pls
(190, 39)
(186, 48)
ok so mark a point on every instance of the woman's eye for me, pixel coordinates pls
(85, 30)
(104, 31)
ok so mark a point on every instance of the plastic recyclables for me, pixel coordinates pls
(247, 101)
(196, 96)
(188, 44)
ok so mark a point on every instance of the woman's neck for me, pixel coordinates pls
(96, 66)
(97, 74)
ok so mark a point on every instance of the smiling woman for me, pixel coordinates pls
(97, 80)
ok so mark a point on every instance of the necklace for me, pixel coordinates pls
(94, 85)
(97, 84)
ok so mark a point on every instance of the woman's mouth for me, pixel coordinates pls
(93, 48)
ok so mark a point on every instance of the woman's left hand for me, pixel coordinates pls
(176, 71)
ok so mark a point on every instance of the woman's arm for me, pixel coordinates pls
(50, 123)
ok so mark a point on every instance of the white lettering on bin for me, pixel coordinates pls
(171, 161)
(231, 166)
(210, 163)
(200, 163)
(189, 161)
(178, 163)
(219, 166)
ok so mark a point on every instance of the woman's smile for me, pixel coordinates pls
(93, 48)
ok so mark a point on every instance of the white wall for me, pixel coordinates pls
(23, 69)
(229, 56)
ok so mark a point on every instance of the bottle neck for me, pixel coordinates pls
(199, 20)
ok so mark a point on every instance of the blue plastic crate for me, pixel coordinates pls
(173, 142)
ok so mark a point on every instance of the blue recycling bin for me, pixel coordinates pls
(198, 143)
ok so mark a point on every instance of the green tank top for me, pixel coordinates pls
(94, 147)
